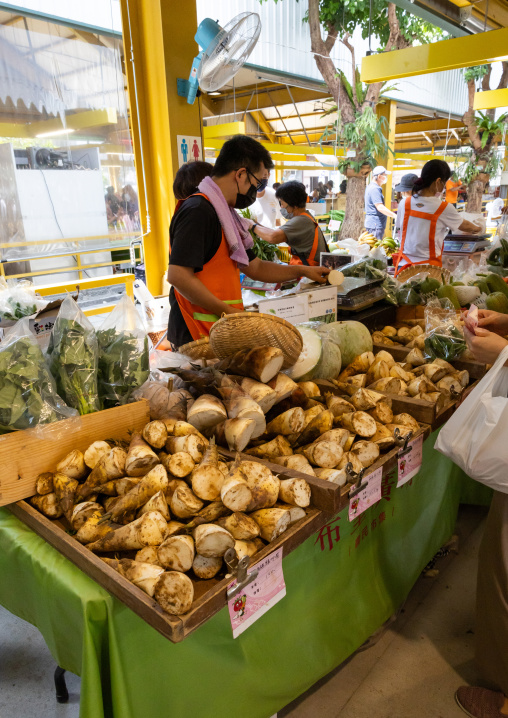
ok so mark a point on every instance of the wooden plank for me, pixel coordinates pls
(210, 596)
(169, 626)
(30, 453)
(325, 496)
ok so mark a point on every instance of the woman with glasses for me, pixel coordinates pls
(210, 243)
(301, 231)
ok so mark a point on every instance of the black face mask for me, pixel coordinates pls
(245, 200)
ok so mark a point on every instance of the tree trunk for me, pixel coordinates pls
(354, 220)
(474, 196)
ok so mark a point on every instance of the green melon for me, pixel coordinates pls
(352, 338)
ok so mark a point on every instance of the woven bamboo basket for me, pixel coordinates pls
(247, 330)
(199, 349)
(430, 269)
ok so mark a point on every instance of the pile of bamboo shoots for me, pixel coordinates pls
(165, 508)
(436, 382)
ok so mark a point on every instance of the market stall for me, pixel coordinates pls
(295, 461)
(341, 585)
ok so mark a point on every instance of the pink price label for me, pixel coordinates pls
(369, 496)
(410, 462)
(257, 597)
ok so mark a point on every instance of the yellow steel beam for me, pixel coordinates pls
(404, 128)
(227, 129)
(106, 281)
(79, 121)
(490, 99)
(154, 109)
(264, 125)
(282, 149)
(485, 47)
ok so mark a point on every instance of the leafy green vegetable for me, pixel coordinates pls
(28, 395)
(446, 343)
(73, 354)
(122, 368)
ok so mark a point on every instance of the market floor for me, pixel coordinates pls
(410, 669)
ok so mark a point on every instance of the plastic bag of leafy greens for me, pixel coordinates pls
(73, 358)
(124, 362)
(28, 395)
(444, 337)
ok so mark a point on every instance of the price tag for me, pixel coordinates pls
(410, 460)
(294, 308)
(370, 495)
(260, 595)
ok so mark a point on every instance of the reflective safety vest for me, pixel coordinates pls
(221, 277)
(298, 258)
(432, 218)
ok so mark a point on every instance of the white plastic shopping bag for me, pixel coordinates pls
(476, 436)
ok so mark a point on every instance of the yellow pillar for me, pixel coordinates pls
(389, 111)
(157, 113)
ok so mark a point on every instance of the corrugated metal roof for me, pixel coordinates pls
(284, 46)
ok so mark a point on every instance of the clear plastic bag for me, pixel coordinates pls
(17, 300)
(124, 363)
(28, 395)
(73, 358)
(444, 336)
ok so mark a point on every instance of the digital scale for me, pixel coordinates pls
(458, 247)
(465, 243)
(357, 293)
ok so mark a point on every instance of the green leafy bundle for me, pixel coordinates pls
(28, 395)
(73, 356)
(122, 367)
(446, 342)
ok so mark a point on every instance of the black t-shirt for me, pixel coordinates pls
(195, 235)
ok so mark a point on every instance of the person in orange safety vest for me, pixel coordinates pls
(210, 244)
(425, 219)
(301, 231)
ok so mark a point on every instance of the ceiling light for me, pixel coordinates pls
(427, 138)
(213, 93)
(454, 133)
(55, 133)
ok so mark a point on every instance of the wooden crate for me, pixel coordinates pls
(30, 453)
(476, 369)
(329, 497)
(209, 596)
(425, 412)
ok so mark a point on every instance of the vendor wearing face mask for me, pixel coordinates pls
(424, 219)
(301, 231)
(210, 243)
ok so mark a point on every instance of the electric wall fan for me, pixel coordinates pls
(223, 52)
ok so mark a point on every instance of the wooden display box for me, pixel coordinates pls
(209, 596)
(27, 455)
(476, 369)
(30, 453)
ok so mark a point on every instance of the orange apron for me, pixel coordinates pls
(311, 259)
(432, 218)
(221, 277)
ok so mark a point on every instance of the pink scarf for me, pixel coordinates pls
(235, 228)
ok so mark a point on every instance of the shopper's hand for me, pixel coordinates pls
(316, 274)
(485, 346)
(493, 321)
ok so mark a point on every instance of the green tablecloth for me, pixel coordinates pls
(342, 584)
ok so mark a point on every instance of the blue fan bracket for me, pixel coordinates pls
(206, 33)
